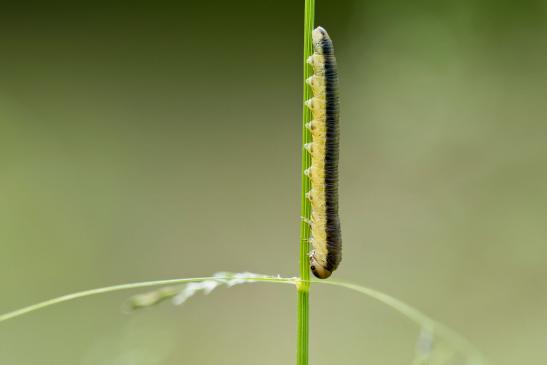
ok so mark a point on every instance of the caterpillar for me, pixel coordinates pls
(326, 240)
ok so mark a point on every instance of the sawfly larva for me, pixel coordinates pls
(325, 238)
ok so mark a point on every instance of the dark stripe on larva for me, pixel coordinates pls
(334, 237)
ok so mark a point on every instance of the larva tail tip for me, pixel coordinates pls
(318, 34)
(320, 29)
(309, 61)
(309, 81)
(309, 103)
(308, 195)
(307, 172)
(308, 146)
(309, 125)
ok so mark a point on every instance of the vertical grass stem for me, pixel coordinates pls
(303, 288)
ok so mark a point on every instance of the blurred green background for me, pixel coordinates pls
(152, 140)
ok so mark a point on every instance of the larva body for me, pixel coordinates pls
(326, 238)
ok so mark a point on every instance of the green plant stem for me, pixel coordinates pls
(303, 287)
(114, 288)
(439, 330)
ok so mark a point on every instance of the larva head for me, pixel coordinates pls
(318, 36)
(318, 269)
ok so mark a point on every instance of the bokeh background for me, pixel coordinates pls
(150, 140)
